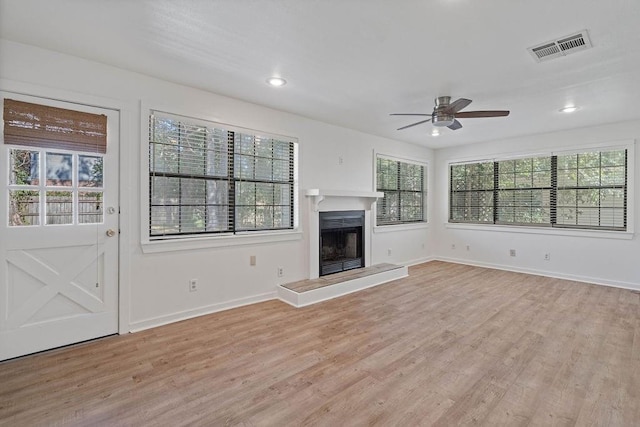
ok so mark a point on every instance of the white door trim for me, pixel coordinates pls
(128, 137)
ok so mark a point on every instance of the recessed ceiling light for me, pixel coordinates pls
(276, 81)
(435, 132)
(568, 109)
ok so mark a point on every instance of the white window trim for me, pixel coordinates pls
(388, 228)
(190, 242)
(218, 241)
(628, 234)
(555, 231)
(400, 227)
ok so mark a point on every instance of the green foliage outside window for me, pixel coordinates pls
(579, 190)
(208, 179)
(403, 185)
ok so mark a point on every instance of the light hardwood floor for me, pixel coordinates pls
(449, 345)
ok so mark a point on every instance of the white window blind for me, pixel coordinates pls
(403, 184)
(579, 190)
(205, 178)
(524, 191)
(592, 189)
(472, 192)
(264, 182)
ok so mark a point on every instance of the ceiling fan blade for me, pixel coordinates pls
(409, 114)
(472, 114)
(415, 124)
(455, 125)
(457, 105)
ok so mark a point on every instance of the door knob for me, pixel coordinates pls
(111, 232)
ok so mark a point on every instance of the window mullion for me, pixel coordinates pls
(496, 183)
(624, 219)
(600, 190)
(399, 217)
(577, 186)
(255, 184)
(291, 184)
(179, 179)
(553, 197)
(231, 179)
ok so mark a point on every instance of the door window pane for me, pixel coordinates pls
(59, 169)
(24, 166)
(90, 171)
(59, 207)
(24, 207)
(90, 207)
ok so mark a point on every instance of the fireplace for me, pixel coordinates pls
(341, 241)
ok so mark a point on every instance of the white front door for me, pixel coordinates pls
(58, 241)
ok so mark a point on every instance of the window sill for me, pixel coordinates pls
(600, 234)
(206, 242)
(400, 227)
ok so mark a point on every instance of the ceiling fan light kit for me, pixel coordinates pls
(276, 81)
(445, 113)
(568, 109)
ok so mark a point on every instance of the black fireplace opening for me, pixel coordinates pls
(341, 241)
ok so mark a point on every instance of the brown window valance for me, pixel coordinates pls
(52, 127)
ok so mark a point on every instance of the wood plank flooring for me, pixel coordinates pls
(448, 345)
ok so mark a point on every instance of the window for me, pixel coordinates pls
(592, 190)
(524, 191)
(208, 178)
(403, 185)
(579, 190)
(55, 164)
(472, 192)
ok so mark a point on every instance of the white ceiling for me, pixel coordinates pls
(352, 62)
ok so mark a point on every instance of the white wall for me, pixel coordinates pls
(156, 284)
(573, 255)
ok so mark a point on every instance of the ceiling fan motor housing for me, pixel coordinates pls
(439, 117)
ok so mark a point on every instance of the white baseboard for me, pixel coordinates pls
(200, 311)
(419, 261)
(555, 275)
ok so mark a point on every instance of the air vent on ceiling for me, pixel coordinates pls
(561, 47)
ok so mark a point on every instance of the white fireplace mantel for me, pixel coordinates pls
(317, 195)
(337, 200)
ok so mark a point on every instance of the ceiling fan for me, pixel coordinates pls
(446, 112)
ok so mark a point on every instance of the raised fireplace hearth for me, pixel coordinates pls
(341, 241)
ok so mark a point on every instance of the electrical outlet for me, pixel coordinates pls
(512, 252)
(280, 271)
(193, 285)
(547, 256)
(252, 260)
(340, 160)
(389, 252)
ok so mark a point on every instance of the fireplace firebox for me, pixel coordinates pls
(341, 241)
